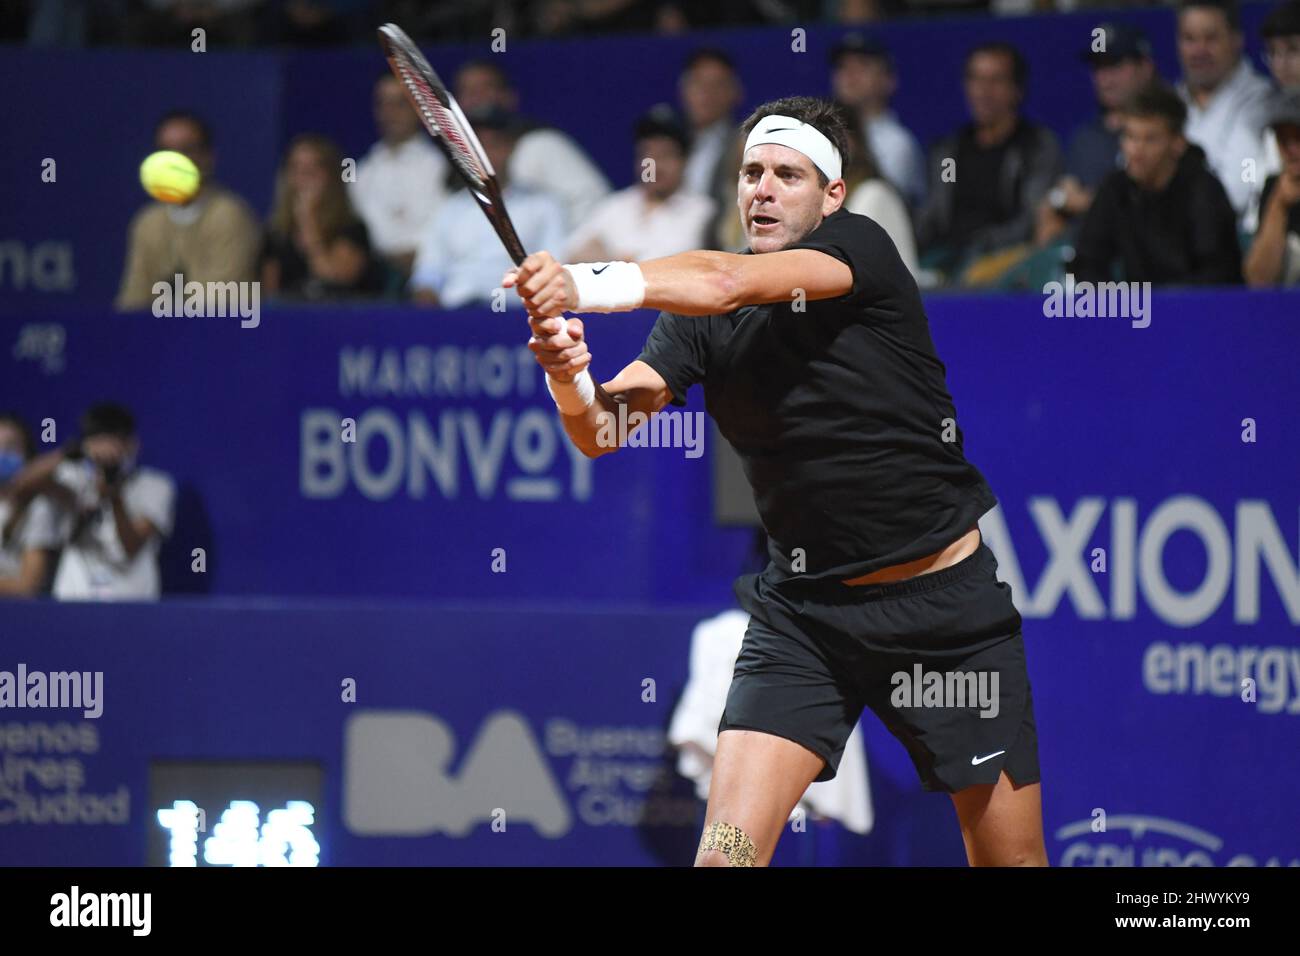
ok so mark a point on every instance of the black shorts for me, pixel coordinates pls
(939, 658)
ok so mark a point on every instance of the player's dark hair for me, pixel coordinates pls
(185, 116)
(491, 66)
(24, 433)
(1158, 99)
(1231, 12)
(823, 115)
(108, 418)
(1282, 21)
(706, 53)
(1019, 65)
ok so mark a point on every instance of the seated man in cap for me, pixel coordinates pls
(1274, 257)
(1119, 57)
(655, 216)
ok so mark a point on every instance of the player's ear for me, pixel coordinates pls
(833, 197)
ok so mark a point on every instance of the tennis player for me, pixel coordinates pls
(817, 364)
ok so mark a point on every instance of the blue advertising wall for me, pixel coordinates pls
(1165, 666)
(93, 113)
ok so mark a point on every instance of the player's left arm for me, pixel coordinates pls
(709, 283)
(696, 283)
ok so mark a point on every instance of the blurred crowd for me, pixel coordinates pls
(76, 23)
(1191, 182)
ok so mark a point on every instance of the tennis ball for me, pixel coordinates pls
(169, 176)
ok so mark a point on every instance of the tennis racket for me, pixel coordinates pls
(442, 117)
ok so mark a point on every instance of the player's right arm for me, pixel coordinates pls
(561, 350)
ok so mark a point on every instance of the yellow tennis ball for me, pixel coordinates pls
(169, 176)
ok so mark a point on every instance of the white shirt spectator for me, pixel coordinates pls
(94, 565)
(707, 147)
(876, 200)
(629, 226)
(37, 528)
(398, 191)
(1230, 130)
(462, 260)
(693, 729)
(898, 155)
(547, 161)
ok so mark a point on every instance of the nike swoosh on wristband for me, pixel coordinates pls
(597, 272)
(976, 761)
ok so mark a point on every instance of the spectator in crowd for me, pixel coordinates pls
(28, 530)
(224, 22)
(863, 78)
(317, 247)
(987, 178)
(1120, 59)
(320, 22)
(113, 513)
(709, 91)
(401, 181)
(1280, 33)
(655, 216)
(539, 150)
(1274, 257)
(460, 259)
(1165, 218)
(870, 194)
(1226, 99)
(212, 238)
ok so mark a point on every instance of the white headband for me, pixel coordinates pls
(787, 131)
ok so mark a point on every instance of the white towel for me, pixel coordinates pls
(715, 644)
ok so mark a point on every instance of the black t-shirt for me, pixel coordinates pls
(978, 203)
(837, 412)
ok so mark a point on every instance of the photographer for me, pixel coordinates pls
(114, 513)
(28, 536)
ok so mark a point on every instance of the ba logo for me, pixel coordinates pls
(397, 779)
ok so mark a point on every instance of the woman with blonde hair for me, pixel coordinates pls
(316, 247)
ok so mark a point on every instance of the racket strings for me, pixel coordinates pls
(441, 122)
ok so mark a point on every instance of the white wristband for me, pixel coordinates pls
(607, 286)
(573, 398)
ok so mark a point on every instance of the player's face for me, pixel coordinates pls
(779, 197)
(1207, 46)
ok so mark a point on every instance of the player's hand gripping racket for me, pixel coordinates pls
(442, 117)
